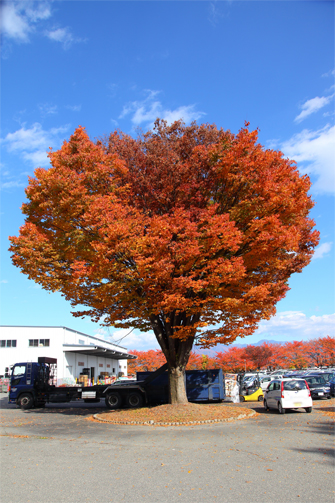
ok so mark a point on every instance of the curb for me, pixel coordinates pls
(176, 423)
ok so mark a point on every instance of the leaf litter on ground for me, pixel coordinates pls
(181, 413)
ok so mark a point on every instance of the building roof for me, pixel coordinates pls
(97, 351)
(66, 328)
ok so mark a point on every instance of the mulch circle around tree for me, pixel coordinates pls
(175, 415)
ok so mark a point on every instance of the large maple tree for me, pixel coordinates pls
(189, 231)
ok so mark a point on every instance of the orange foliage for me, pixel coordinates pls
(291, 355)
(146, 361)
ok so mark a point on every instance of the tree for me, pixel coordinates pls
(257, 356)
(231, 360)
(293, 355)
(321, 351)
(190, 231)
(147, 361)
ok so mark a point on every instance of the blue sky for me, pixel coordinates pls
(109, 64)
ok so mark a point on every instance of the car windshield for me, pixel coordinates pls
(328, 377)
(315, 380)
(293, 385)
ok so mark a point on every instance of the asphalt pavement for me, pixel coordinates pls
(59, 455)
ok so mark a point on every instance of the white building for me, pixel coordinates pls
(75, 352)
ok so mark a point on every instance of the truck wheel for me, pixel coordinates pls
(26, 401)
(134, 400)
(113, 400)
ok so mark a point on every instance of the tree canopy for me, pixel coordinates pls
(190, 231)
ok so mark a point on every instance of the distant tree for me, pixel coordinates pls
(321, 351)
(257, 356)
(189, 231)
(146, 361)
(231, 360)
(293, 355)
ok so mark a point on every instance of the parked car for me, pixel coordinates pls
(328, 376)
(283, 394)
(332, 386)
(265, 381)
(318, 386)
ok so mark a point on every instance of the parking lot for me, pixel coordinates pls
(58, 454)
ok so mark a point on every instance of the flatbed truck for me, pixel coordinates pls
(32, 384)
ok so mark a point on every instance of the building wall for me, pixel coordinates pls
(67, 362)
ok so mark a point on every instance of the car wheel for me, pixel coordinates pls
(26, 401)
(113, 400)
(260, 398)
(308, 409)
(281, 409)
(329, 397)
(242, 398)
(266, 405)
(134, 400)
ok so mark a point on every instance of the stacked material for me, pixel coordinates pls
(232, 388)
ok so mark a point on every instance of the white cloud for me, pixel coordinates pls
(316, 151)
(312, 106)
(23, 18)
(295, 325)
(329, 74)
(322, 250)
(33, 143)
(47, 109)
(3, 281)
(74, 108)
(19, 18)
(149, 109)
(141, 341)
(62, 35)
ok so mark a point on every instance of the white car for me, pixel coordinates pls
(265, 381)
(282, 394)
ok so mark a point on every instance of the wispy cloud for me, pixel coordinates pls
(329, 74)
(141, 341)
(148, 110)
(47, 109)
(322, 250)
(74, 108)
(314, 152)
(23, 18)
(62, 35)
(32, 143)
(295, 325)
(312, 106)
(20, 18)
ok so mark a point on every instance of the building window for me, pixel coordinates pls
(10, 343)
(33, 343)
(81, 341)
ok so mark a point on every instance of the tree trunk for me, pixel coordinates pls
(176, 351)
(177, 385)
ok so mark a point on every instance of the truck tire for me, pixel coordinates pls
(135, 400)
(26, 401)
(113, 400)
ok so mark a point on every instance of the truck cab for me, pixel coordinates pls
(30, 381)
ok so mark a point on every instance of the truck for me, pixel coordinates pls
(33, 384)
